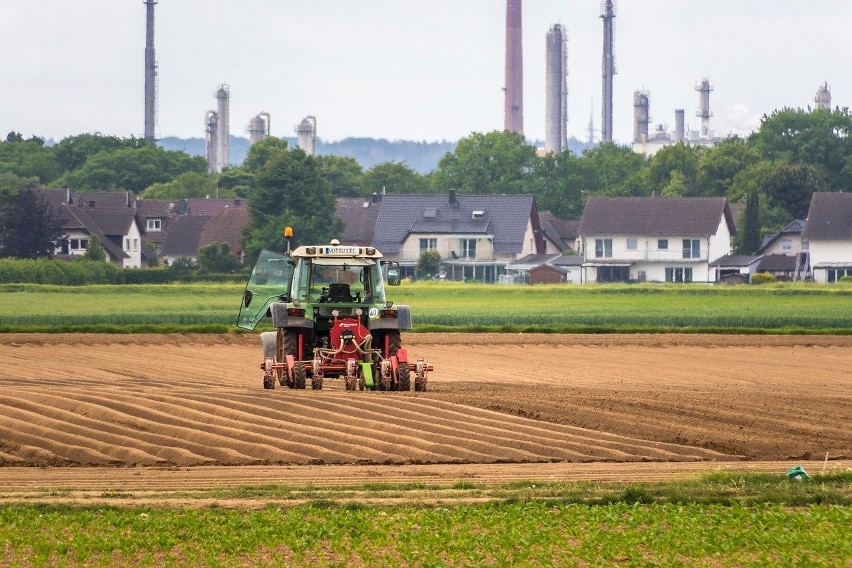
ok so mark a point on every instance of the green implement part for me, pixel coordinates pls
(797, 472)
(367, 373)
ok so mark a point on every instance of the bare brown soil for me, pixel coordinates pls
(494, 401)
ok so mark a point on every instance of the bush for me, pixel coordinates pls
(762, 278)
(429, 264)
(847, 278)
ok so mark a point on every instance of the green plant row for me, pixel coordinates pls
(458, 307)
(492, 534)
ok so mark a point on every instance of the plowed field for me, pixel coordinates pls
(193, 400)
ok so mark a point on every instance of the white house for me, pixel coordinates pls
(656, 239)
(829, 235)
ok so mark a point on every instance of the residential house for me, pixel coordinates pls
(829, 235)
(104, 215)
(788, 242)
(183, 238)
(475, 235)
(358, 215)
(657, 239)
(226, 228)
(559, 235)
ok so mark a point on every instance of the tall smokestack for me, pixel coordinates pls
(556, 90)
(680, 128)
(607, 15)
(223, 127)
(704, 89)
(514, 102)
(823, 97)
(150, 72)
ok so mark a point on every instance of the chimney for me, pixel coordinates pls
(453, 200)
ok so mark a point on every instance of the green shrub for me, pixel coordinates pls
(847, 278)
(762, 278)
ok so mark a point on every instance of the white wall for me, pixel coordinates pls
(829, 251)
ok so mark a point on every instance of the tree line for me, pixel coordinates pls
(773, 173)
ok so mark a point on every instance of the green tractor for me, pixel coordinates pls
(331, 318)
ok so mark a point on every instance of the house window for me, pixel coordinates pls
(78, 244)
(468, 248)
(678, 275)
(428, 244)
(835, 274)
(663, 244)
(135, 244)
(786, 245)
(603, 248)
(632, 244)
(155, 225)
(806, 245)
(691, 248)
(127, 244)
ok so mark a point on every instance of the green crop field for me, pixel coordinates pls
(778, 308)
(721, 520)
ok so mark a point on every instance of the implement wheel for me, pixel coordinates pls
(299, 375)
(403, 374)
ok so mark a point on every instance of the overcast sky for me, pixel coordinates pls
(405, 69)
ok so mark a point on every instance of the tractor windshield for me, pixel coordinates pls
(339, 280)
(269, 282)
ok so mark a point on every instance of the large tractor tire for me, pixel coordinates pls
(403, 374)
(394, 343)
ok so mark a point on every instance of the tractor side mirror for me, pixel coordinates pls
(393, 276)
(247, 298)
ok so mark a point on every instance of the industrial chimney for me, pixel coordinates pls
(514, 89)
(641, 116)
(680, 131)
(704, 89)
(607, 15)
(150, 73)
(556, 90)
(223, 130)
(211, 137)
(258, 127)
(306, 135)
(823, 97)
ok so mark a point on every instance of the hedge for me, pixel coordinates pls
(83, 271)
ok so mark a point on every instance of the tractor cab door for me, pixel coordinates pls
(269, 283)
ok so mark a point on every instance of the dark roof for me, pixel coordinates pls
(226, 227)
(160, 208)
(79, 219)
(734, 260)
(358, 215)
(655, 216)
(113, 222)
(55, 197)
(210, 207)
(184, 235)
(563, 233)
(792, 228)
(102, 199)
(777, 263)
(531, 261)
(505, 217)
(829, 217)
(568, 260)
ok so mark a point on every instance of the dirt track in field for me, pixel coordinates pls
(197, 400)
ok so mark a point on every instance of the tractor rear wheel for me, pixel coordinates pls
(299, 375)
(403, 374)
(394, 342)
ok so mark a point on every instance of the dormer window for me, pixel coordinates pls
(154, 225)
(430, 213)
(477, 214)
